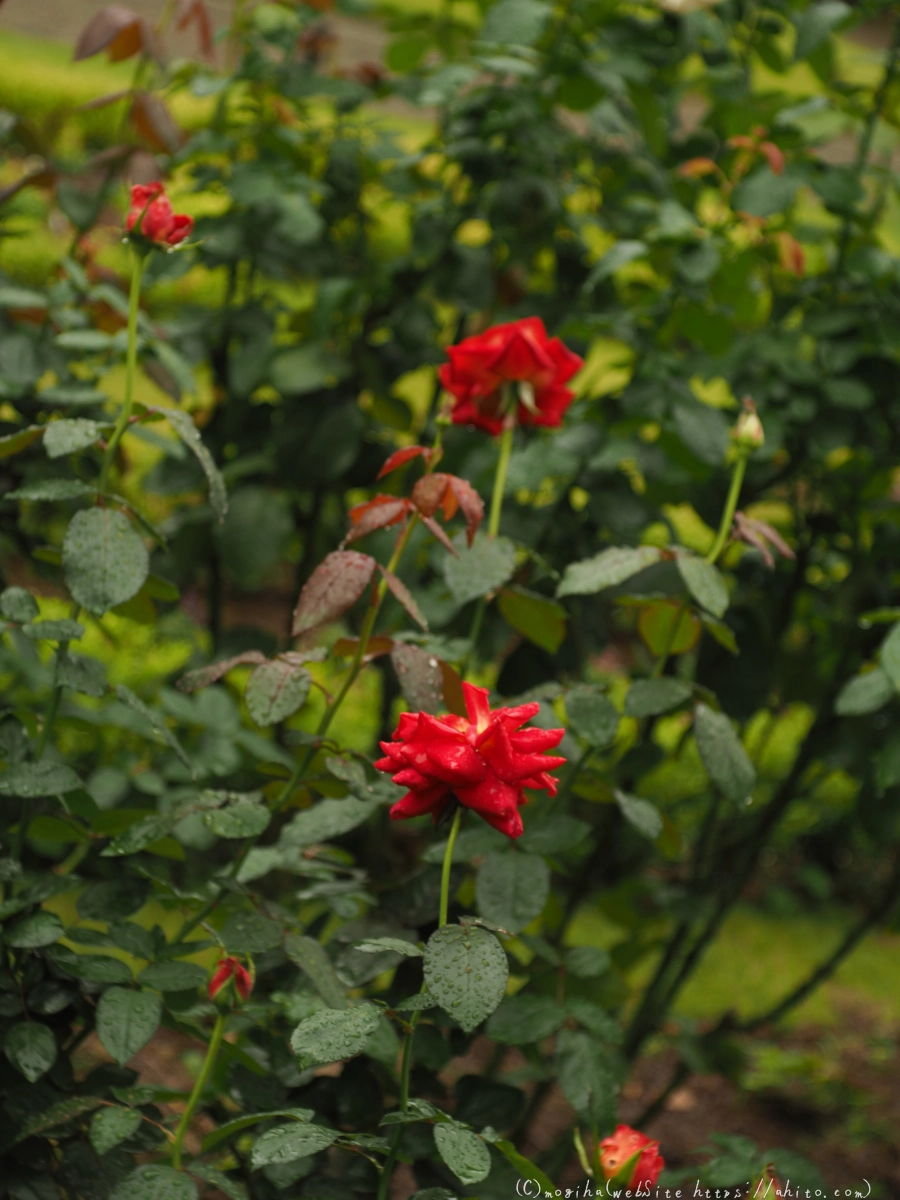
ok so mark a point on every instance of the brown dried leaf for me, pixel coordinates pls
(471, 504)
(335, 585)
(194, 680)
(429, 493)
(187, 11)
(379, 513)
(153, 121)
(432, 526)
(402, 593)
(420, 678)
(119, 31)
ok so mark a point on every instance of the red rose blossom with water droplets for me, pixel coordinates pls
(485, 761)
(150, 216)
(228, 969)
(511, 372)
(624, 1144)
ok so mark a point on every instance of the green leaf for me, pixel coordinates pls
(30, 780)
(644, 816)
(523, 1019)
(326, 820)
(889, 656)
(104, 561)
(466, 972)
(607, 569)
(111, 1126)
(231, 1187)
(126, 1020)
(815, 23)
(40, 929)
(307, 368)
(536, 617)
(81, 674)
(512, 888)
(31, 1048)
(464, 1152)
(155, 1181)
(480, 568)
(184, 426)
(704, 582)
(863, 694)
(250, 933)
(723, 755)
(587, 962)
(93, 968)
(313, 960)
(334, 1034)
(515, 22)
(54, 631)
(18, 604)
(140, 835)
(276, 690)
(526, 1169)
(12, 443)
(617, 256)
(19, 297)
(591, 715)
(241, 1123)
(763, 193)
(57, 1114)
(650, 697)
(553, 834)
(154, 719)
(173, 976)
(298, 222)
(289, 1142)
(379, 944)
(587, 1076)
(70, 435)
(241, 819)
(52, 490)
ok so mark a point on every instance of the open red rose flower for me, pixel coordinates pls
(627, 1144)
(485, 761)
(228, 969)
(513, 371)
(151, 212)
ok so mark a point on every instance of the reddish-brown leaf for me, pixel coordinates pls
(400, 457)
(120, 31)
(774, 156)
(103, 101)
(694, 168)
(375, 647)
(471, 504)
(207, 675)
(419, 676)
(195, 11)
(432, 526)
(378, 513)
(430, 493)
(399, 589)
(153, 121)
(454, 700)
(335, 585)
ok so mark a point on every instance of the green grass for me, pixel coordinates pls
(757, 959)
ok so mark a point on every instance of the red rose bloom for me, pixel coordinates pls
(512, 369)
(485, 761)
(151, 212)
(226, 970)
(624, 1144)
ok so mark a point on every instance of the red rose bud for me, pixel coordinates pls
(510, 370)
(229, 969)
(631, 1158)
(151, 216)
(485, 761)
(766, 1186)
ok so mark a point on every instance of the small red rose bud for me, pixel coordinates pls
(631, 1158)
(150, 217)
(229, 969)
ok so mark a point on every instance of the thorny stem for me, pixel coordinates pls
(212, 1053)
(734, 491)
(506, 441)
(134, 298)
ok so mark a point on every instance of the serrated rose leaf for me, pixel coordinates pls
(335, 585)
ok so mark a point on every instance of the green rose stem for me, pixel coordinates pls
(406, 1061)
(212, 1053)
(734, 491)
(134, 298)
(506, 441)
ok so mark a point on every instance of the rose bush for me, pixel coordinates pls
(196, 838)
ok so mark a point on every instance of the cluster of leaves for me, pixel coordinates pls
(679, 228)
